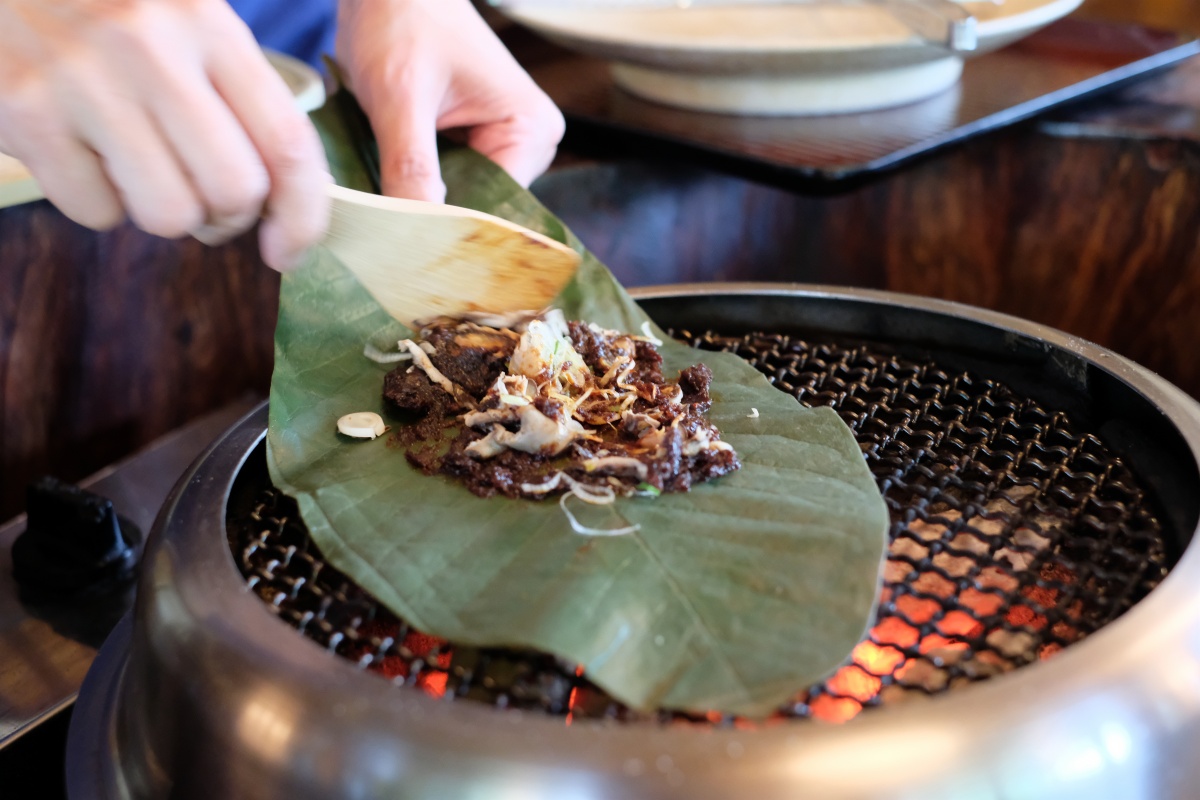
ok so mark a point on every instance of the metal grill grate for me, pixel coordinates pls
(1014, 533)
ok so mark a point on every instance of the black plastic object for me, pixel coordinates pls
(74, 544)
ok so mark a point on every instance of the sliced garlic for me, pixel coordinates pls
(362, 425)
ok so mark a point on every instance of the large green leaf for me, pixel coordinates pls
(731, 597)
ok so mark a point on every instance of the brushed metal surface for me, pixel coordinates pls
(214, 697)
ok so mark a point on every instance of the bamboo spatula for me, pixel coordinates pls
(420, 260)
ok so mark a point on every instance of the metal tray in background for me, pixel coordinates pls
(1068, 61)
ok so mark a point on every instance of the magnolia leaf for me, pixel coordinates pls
(731, 597)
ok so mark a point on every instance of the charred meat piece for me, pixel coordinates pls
(695, 382)
(554, 406)
(408, 389)
(472, 359)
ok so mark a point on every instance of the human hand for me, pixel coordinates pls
(420, 66)
(162, 109)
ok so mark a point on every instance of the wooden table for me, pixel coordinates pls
(1087, 221)
(1181, 15)
(108, 341)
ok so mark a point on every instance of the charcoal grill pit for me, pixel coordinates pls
(1039, 489)
(1015, 532)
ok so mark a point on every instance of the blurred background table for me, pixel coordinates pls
(1085, 220)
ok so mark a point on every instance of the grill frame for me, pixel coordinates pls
(203, 687)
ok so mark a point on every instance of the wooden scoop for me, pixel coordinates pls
(421, 260)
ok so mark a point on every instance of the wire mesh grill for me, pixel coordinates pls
(1015, 532)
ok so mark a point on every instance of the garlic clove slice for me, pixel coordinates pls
(362, 425)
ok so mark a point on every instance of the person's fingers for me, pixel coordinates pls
(297, 213)
(297, 209)
(73, 179)
(401, 82)
(216, 152)
(168, 107)
(154, 187)
(418, 68)
(70, 174)
(406, 129)
(523, 144)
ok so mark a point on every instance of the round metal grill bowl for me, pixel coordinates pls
(1040, 491)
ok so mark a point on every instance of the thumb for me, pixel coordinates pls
(408, 154)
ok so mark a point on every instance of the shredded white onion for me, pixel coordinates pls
(478, 419)
(592, 495)
(624, 374)
(380, 357)
(753, 414)
(650, 337)
(584, 530)
(543, 488)
(488, 446)
(618, 464)
(586, 394)
(643, 419)
(614, 371)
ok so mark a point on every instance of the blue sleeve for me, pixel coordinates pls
(300, 28)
